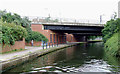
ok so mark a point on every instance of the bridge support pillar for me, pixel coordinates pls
(81, 38)
(85, 39)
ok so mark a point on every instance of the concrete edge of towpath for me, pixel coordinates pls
(6, 65)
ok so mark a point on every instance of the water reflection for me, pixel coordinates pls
(81, 58)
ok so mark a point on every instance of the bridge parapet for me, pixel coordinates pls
(74, 24)
(65, 21)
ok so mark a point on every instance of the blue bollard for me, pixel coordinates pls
(46, 45)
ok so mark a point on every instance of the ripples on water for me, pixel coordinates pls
(90, 66)
(80, 58)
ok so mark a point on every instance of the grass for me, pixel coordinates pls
(15, 50)
(95, 40)
(112, 45)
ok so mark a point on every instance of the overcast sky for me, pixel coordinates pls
(78, 9)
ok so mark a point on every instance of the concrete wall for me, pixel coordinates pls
(17, 45)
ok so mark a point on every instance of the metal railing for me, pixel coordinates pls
(49, 44)
(60, 20)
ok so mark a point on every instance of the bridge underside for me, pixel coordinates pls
(76, 30)
(62, 33)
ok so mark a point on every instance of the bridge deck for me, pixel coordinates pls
(71, 24)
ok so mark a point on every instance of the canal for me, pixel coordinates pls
(89, 57)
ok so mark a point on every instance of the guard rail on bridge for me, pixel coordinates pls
(65, 21)
(72, 24)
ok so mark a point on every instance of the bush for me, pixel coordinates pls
(93, 37)
(12, 32)
(111, 27)
(15, 18)
(112, 45)
(111, 36)
(36, 36)
(0, 31)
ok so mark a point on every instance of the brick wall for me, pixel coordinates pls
(34, 43)
(17, 45)
(70, 38)
(47, 33)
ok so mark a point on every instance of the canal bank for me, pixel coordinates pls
(85, 57)
(8, 61)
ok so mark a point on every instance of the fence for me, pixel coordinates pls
(57, 19)
(49, 44)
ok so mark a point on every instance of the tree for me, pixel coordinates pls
(111, 27)
(15, 18)
(12, 32)
(114, 15)
(36, 36)
(8, 19)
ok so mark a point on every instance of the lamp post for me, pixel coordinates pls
(101, 18)
(60, 20)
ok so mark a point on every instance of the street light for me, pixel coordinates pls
(101, 18)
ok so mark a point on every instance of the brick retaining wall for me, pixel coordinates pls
(47, 33)
(34, 43)
(17, 45)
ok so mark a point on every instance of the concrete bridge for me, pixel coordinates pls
(60, 31)
(75, 28)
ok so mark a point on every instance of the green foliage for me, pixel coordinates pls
(15, 18)
(12, 29)
(93, 37)
(111, 27)
(48, 19)
(56, 20)
(0, 31)
(36, 36)
(12, 32)
(112, 45)
(111, 37)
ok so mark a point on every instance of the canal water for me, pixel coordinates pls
(89, 57)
